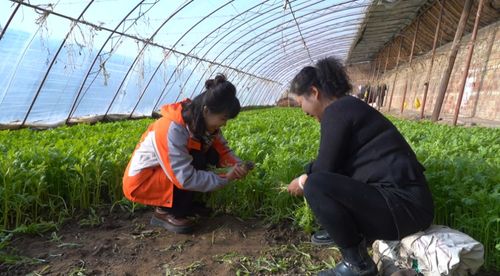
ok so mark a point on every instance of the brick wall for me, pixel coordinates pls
(482, 90)
(359, 74)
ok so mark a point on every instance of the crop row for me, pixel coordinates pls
(48, 176)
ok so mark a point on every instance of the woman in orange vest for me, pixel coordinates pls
(170, 162)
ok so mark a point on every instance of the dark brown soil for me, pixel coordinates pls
(126, 244)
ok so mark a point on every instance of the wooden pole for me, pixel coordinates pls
(382, 99)
(467, 63)
(373, 93)
(451, 60)
(387, 60)
(396, 74)
(433, 55)
(408, 75)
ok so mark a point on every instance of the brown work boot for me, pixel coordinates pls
(172, 223)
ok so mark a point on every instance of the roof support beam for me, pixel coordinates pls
(467, 62)
(451, 60)
(433, 55)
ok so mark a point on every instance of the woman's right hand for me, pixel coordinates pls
(237, 172)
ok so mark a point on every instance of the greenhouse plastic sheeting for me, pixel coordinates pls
(66, 60)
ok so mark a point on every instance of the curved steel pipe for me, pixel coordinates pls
(51, 65)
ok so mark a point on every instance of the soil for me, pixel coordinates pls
(125, 244)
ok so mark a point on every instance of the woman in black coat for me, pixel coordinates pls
(366, 182)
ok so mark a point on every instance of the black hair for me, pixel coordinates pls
(328, 76)
(219, 97)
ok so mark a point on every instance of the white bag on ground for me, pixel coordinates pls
(439, 250)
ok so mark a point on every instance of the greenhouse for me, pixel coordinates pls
(237, 137)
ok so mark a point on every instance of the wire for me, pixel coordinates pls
(298, 27)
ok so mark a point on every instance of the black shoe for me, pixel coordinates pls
(322, 237)
(355, 262)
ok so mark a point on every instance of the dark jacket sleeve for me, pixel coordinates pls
(333, 146)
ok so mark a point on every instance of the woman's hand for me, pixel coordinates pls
(294, 188)
(237, 172)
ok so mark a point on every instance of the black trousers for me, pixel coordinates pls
(183, 199)
(351, 210)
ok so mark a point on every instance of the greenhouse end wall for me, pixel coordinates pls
(481, 97)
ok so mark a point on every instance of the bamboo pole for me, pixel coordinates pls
(433, 56)
(451, 60)
(396, 74)
(408, 75)
(467, 63)
(382, 96)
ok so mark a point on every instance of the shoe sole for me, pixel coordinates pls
(172, 228)
(322, 242)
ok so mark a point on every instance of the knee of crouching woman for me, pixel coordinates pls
(312, 187)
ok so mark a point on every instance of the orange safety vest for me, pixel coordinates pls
(151, 185)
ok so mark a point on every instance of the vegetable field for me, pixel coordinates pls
(49, 176)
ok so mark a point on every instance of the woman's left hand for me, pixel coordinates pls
(294, 188)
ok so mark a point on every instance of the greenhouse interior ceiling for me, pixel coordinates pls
(64, 61)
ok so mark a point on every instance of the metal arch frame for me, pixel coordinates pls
(250, 93)
(289, 27)
(318, 47)
(358, 6)
(257, 70)
(316, 50)
(259, 97)
(9, 20)
(264, 54)
(291, 47)
(269, 60)
(269, 98)
(283, 67)
(261, 86)
(199, 42)
(257, 59)
(144, 48)
(175, 70)
(298, 28)
(265, 99)
(291, 72)
(75, 104)
(253, 39)
(267, 22)
(213, 45)
(257, 87)
(136, 38)
(276, 40)
(313, 47)
(73, 25)
(273, 15)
